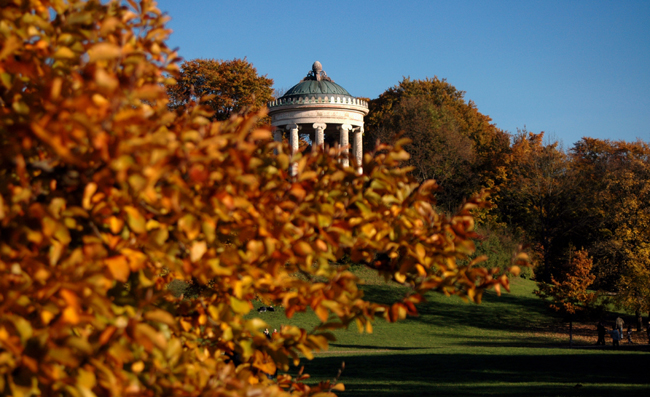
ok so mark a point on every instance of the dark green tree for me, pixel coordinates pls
(452, 141)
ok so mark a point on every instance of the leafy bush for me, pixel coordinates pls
(106, 197)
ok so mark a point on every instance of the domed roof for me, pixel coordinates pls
(316, 84)
(313, 88)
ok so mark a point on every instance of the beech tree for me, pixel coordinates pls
(228, 87)
(106, 196)
(540, 197)
(570, 294)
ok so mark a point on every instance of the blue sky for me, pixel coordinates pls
(569, 68)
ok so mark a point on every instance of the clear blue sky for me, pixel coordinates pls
(569, 68)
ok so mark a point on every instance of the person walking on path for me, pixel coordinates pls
(616, 336)
(600, 328)
(629, 334)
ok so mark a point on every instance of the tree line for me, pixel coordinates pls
(592, 197)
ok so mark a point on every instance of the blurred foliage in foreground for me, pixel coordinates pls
(106, 196)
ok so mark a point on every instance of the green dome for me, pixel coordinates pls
(315, 88)
(316, 85)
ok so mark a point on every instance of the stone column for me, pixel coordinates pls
(357, 148)
(277, 137)
(344, 142)
(293, 142)
(319, 139)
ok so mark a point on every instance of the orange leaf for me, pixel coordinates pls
(119, 267)
(103, 51)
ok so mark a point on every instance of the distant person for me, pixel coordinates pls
(267, 334)
(616, 336)
(629, 334)
(600, 328)
(620, 324)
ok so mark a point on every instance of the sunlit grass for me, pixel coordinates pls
(508, 346)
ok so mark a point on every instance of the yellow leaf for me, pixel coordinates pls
(208, 226)
(134, 218)
(255, 324)
(99, 100)
(198, 250)
(322, 313)
(160, 316)
(90, 189)
(186, 325)
(420, 251)
(319, 341)
(174, 349)
(146, 333)
(105, 80)
(239, 306)
(23, 326)
(62, 234)
(247, 348)
(303, 248)
(137, 367)
(264, 362)
(137, 259)
(190, 226)
(56, 249)
(399, 277)
(46, 317)
(11, 44)
(159, 236)
(150, 92)
(63, 53)
(338, 387)
(102, 51)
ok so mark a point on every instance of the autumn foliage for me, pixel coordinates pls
(570, 295)
(227, 87)
(106, 196)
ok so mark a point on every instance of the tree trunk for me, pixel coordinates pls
(639, 321)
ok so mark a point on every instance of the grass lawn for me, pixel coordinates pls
(507, 346)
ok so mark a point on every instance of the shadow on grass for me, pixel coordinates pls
(375, 347)
(501, 313)
(598, 374)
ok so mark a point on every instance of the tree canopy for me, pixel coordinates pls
(619, 179)
(452, 142)
(228, 87)
(107, 195)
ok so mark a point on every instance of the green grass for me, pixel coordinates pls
(507, 346)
